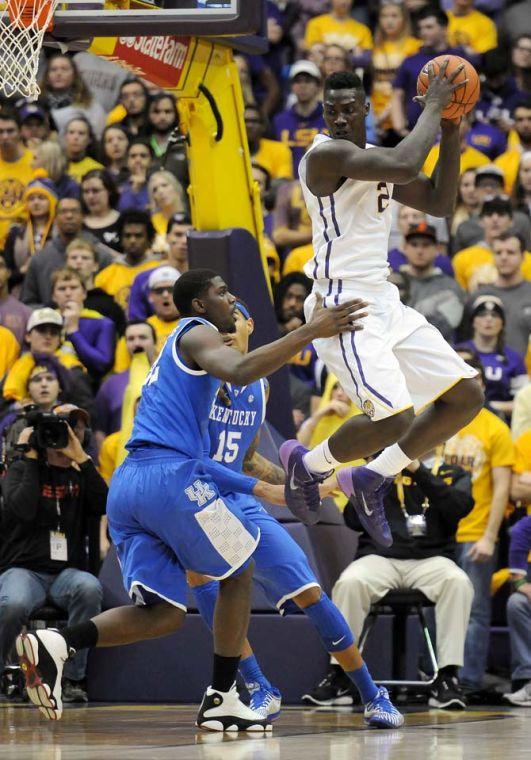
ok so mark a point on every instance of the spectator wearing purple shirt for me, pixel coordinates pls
(298, 125)
(499, 92)
(432, 30)
(134, 192)
(13, 314)
(505, 371)
(177, 257)
(139, 336)
(92, 335)
(519, 614)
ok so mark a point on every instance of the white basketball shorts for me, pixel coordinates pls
(396, 362)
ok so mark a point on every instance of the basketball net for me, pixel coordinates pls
(23, 24)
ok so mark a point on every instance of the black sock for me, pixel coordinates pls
(450, 671)
(224, 672)
(81, 636)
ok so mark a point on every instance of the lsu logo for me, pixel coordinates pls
(368, 408)
(200, 492)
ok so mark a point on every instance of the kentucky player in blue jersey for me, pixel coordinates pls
(281, 567)
(165, 508)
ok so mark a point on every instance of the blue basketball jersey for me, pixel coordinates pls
(233, 428)
(176, 400)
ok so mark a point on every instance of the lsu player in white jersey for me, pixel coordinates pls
(414, 390)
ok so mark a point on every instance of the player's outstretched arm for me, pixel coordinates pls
(335, 159)
(206, 348)
(437, 194)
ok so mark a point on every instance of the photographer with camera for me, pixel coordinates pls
(423, 508)
(49, 494)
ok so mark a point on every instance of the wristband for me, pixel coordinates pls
(518, 583)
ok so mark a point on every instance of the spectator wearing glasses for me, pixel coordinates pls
(132, 108)
(160, 294)
(176, 257)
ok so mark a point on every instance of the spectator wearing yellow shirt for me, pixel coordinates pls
(297, 258)
(136, 236)
(495, 217)
(521, 479)
(488, 184)
(15, 172)
(79, 142)
(273, 155)
(521, 419)
(393, 42)
(160, 296)
(338, 27)
(470, 157)
(474, 31)
(509, 161)
(167, 199)
(485, 449)
(44, 338)
(9, 351)
(263, 178)
(292, 226)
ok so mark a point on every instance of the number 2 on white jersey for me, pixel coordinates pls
(228, 448)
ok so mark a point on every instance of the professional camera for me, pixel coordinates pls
(50, 430)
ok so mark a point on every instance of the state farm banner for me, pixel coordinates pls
(161, 60)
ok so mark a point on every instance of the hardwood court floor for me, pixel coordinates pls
(164, 732)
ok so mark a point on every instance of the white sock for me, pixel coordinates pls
(390, 462)
(319, 459)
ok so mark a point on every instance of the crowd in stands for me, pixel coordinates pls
(94, 223)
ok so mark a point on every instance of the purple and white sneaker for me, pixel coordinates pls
(302, 486)
(366, 490)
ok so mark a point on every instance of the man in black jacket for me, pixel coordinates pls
(423, 509)
(49, 495)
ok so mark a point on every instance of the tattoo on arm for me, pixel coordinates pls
(257, 466)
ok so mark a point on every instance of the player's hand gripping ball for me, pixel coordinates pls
(464, 98)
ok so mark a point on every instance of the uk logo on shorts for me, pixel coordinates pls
(368, 408)
(200, 492)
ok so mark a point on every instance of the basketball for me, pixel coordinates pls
(463, 99)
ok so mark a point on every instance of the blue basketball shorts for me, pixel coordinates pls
(166, 516)
(281, 567)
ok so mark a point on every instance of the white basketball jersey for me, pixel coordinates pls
(350, 229)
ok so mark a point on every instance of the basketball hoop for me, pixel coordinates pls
(23, 24)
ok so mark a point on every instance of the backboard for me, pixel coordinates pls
(76, 19)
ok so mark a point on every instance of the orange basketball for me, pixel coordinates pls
(465, 98)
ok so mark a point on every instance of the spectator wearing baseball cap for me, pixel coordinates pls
(34, 125)
(432, 292)
(297, 126)
(44, 338)
(495, 217)
(505, 372)
(489, 183)
(160, 295)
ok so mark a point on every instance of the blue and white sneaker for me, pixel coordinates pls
(302, 486)
(366, 490)
(265, 699)
(381, 712)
